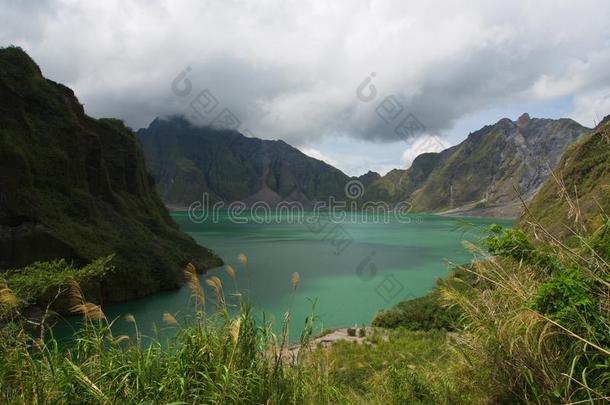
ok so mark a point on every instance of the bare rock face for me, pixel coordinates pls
(523, 120)
(488, 173)
(584, 171)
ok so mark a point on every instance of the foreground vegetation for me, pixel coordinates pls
(212, 359)
(527, 321)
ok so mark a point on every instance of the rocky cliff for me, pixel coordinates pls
(487, 172)
(76, 187)
(577, 198)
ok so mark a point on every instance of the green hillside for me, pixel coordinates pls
(75, 187)
(579, 193)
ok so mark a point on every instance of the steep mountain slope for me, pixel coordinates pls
(483, 174)
(75, 187)
(579, 193)
(369, 178)
(187, 161)
(398, 184)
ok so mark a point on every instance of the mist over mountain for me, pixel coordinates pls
(187, 161)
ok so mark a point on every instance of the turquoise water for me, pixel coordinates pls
(350, 269)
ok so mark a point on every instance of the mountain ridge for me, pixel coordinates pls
(487, 174)
(478, 175)
(187, 161)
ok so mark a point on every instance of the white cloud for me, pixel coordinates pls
(290, 69)
(423, 144)
(591, 107)
(314, 153)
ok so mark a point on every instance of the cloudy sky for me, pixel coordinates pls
(334, 78)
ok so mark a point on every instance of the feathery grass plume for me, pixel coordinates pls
(242, 259)
(231, 271)
(79, 305)
(132, 319)
(296, 280)
(75, 294)
(6, 295)
(234, 329)
(232, 274)
(120, 339)
(192, 279)
(89, 310)
(216, 285)
(169, 319)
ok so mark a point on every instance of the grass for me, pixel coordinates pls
(526, 322)
(532, 328)
(398, 367)
(215, 358)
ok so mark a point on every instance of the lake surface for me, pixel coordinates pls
(351, 269)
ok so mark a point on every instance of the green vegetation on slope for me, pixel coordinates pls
(424, 313)
(578, 195)
(533, 327)
(77, 188)
(486, 173)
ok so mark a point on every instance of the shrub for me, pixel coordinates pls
(424, 313)
(538, 328)
(42, 283)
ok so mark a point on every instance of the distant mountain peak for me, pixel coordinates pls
(188, 160)
(523, 120)
(480, 174)
(369, 177)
